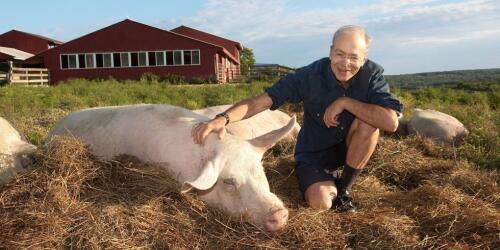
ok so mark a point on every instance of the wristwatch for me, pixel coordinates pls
(225, 115)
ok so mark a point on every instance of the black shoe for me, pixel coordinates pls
(343, 203)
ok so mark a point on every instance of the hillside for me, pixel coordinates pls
(478, 78)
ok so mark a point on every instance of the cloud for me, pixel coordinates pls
(255, 20)
(440, 40)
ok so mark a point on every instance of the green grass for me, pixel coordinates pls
(35, 110)
(78, 94)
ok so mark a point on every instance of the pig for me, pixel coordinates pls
(436, 125)
(225, 173)
(16, 155)
(256, 125)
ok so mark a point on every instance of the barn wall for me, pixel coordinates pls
(24, 42)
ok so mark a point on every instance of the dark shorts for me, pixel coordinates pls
(319, 166)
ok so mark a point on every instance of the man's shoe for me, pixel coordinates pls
(343, 203)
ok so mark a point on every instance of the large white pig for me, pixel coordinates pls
(255, 126)
(227, 173)
(15, 153)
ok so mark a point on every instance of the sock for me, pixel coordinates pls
(349, 174)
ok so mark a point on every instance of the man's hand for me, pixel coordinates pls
(201, 130)
(332, 113)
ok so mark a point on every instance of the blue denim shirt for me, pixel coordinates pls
(316, 86)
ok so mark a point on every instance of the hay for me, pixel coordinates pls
(407, 198)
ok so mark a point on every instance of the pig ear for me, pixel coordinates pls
(23, 147)
(266, 141)
(207, 177)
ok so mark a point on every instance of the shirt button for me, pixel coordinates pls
(342, 128)
(317, 114)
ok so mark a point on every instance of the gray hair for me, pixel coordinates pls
(352, 28)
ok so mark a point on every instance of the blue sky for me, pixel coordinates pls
(409, 36)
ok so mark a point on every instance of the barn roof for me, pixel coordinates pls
(199, 33)
(50, 40)
(15, 53)
(220, 48)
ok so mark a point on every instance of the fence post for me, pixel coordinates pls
(9, 73)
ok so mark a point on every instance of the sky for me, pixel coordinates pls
(409, 36)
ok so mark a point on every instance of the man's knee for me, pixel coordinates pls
(363, 129)
(320, 195)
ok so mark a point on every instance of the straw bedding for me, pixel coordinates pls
(408, 199)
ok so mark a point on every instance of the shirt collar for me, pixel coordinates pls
(331, 80)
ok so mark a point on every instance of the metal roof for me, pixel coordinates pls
(15, 53)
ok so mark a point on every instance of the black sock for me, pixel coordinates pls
(349, 174)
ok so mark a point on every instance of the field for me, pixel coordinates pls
(414, 194)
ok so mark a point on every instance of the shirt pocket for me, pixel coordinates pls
(316, 111)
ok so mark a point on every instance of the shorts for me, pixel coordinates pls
(319, 166)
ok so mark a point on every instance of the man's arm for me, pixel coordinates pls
(239, 111)
(380, 117)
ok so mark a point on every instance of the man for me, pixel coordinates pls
(346, 102)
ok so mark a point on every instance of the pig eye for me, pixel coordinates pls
(229, 181)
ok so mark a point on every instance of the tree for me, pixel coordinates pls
(247, 60)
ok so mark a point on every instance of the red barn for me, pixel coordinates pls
(27, 42)
(127, 49)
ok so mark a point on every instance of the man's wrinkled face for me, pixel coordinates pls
(347, 55)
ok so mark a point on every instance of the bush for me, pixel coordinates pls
(149, 77)
(173, 79)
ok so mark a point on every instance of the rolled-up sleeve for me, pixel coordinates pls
(379, 93)
(287, 89)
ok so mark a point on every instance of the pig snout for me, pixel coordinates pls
(276, 220)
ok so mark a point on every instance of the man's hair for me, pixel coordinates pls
(351, 28)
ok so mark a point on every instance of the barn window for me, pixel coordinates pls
(142, 59)
(64, 61)
(152, 58)
(98, 60)
(134, 59)
(106, 60)
(195, 57)
(191, 57)
(81, 61)
(160, 58)
(170, 57)
(177, 57)
(72, 61)
(89, 60)
(187, 57)
(116, 60)
(124, 59)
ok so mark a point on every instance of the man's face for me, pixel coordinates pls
(347, 55)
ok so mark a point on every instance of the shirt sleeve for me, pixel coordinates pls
(287, 89)
(379, 93)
